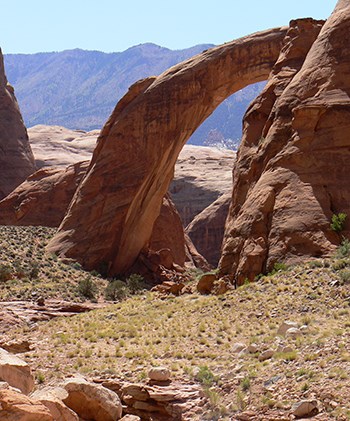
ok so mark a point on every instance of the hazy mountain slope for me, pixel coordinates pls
(78, 89)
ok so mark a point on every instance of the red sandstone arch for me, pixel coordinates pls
(111, 216)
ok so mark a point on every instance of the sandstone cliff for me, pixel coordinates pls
(292, 171)
(202, 175)
(207, 229)
(16, 158)
(112, 214)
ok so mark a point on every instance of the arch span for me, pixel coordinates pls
(111, 216)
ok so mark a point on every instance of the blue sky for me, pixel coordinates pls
(29, 26)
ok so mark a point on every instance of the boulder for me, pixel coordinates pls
(292, 170)
(266, 355)
(207, 229)
(52, 398)
(305, 408)
(206, 283)
(16, 372)
(17, 407)
(92, 401)
(112, 214)
(16, 157)
(159, 374)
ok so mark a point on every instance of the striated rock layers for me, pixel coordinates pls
(111, 217)
(16, 158)
(292, 170)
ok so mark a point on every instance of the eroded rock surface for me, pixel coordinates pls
(43, 198)
(202, 175)
(16, 158)
(112, 215)
(293, 166)
(59, 147)
(207, 229)
(17, 407)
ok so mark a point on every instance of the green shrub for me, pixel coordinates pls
(135, 283)
(116, 290)
(87, 288)
(245, 384)
(278, 267)
(344, 248)
(338, 222)
(205, 376)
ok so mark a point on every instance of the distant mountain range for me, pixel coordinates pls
(78, 89)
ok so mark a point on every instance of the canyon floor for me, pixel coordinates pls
(228, 344)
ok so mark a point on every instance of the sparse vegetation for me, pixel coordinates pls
(193, 335)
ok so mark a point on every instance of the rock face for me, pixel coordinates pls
(111, 217)
(207, 229)
(202, 175)
(59, 147)
(43, 198)
(52, 398)
(293, 166)
(16, 158)
(15, 372)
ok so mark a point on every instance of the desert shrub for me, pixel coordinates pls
(345, 276)
(205, 376)
(87, 288)
(338, 221)
(116, 290)
(340, 264)
(344, 248)
(278, 267)
(135, 283)
(6, 272)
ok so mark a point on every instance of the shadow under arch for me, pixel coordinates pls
(111, 216)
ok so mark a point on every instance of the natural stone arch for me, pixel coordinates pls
(111, 216)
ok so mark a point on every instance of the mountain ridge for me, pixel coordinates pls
(79, 88)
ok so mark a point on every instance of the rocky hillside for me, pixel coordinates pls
(268, 350)
(93, 83)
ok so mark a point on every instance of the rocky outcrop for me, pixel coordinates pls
(43, 198)
(112, 214)
(293, 165)
(17, 407)
(16, 158)
(92, 401)
(52, 398)
(207, 229)
(15, 372)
